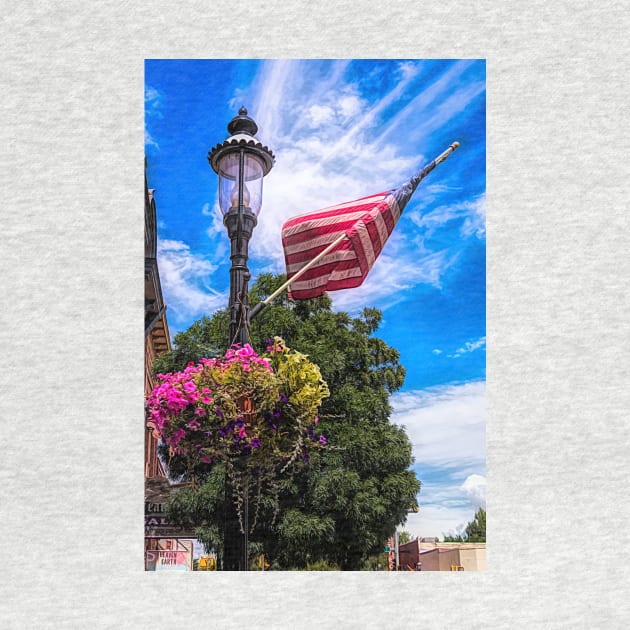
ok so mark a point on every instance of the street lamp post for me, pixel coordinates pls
(241, 162)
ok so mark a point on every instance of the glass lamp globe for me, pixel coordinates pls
(229, 181)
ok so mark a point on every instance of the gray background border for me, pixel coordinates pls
(71, 286)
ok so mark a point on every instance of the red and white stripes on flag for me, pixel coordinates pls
(362, 228)
(367, 224)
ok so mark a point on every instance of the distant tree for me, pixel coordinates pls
(351, 496)
(404, 537)
(475, 530)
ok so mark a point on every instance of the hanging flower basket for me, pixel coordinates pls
(261, 407)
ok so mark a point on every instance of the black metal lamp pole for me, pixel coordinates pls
(241, 162)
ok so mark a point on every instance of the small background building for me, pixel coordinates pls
(427, 554)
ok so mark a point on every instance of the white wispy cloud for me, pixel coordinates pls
(186, 279)
(475, 489)
(320, 114)
(438, 521)
(427, 99)
(149, 141)
(446, 424)
(469, 346)
(153, 101)
(475, 222)
(448, 109)
(446, 427)
(392, 275)
(470, 213)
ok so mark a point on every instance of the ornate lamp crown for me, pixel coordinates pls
(242, 129)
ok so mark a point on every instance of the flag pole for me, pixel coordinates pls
(443, 156)
(261, 305)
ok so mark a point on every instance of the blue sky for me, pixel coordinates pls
(340, 130)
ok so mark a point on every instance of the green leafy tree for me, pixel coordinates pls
(475, 530)
(342, 505)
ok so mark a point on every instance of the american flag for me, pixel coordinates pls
(361, 228)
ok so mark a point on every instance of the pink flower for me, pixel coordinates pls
(265, 362)
(193, 425)
(242, 433)
(189, 387)
(177, 437)
(316, 420)
(200, 411)
(206, 400)
(246, 351)
(205, 459)
(175, 400)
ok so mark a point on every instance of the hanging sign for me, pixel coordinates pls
(168, 560)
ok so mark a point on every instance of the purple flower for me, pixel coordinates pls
(323, 440)
(283, 398)
(256, 443)
(219, 413)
